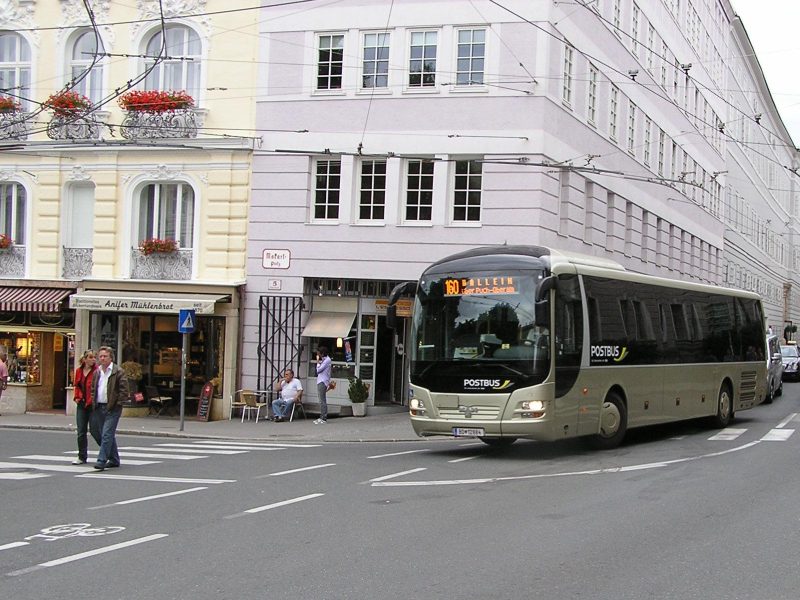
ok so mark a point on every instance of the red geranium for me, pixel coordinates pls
(8, 104)
(68, 103)
(155, 101)
(154, 245)
(5, 241)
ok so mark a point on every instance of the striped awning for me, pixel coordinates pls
(33, 299)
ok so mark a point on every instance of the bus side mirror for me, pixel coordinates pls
(407, 287)
(391, 316)
(542, 313)
(545, 285)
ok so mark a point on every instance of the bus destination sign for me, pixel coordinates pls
(468, 286)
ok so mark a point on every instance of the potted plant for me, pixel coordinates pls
(358, 392)
(66, 104)
(8, 104)
(157, 246)
(5, 241)
(155, 101)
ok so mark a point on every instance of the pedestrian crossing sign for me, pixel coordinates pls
(186, 319)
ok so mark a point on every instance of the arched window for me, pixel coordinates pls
(12, 211)
(15, 66)
(181, 69)
(84, 48)
(166, 211)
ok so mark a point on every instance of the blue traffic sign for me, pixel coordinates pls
(186, 320)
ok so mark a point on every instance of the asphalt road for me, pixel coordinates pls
(678, 511)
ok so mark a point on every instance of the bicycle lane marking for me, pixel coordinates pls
(87, 554)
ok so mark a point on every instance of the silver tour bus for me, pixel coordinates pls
(529, 342)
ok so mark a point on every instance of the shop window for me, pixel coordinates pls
(342, 352)
(24, 356)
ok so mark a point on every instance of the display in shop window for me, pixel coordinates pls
(24, 360)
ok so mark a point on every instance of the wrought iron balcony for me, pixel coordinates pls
(74, 127)
(12, 262)
(141, 125)
(14, 125)
(174, 266)
(78, 263)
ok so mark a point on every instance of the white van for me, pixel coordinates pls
(774, 369)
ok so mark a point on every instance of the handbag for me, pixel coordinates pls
(331, 385)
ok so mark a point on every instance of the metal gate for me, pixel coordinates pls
(279, 345)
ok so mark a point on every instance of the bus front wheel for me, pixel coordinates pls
(613, 423)
(502, 442)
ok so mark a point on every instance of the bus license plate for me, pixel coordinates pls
(468, 432)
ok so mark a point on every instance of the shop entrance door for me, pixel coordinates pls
(389, 363)
(60, 356)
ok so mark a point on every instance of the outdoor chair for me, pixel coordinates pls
(157, 403)
(251, 404)
(238, 402)
(297, 408)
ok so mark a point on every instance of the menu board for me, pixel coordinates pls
(204, 405)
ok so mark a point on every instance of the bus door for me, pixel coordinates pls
(568, 349)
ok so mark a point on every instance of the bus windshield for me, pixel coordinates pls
(478, 326)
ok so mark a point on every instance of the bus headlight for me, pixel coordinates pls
(416, 407)
(532, 409)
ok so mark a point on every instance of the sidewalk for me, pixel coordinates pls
(394, 427)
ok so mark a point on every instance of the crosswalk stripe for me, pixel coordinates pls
(18, 476)
(778, 435)
(225, 447)
(183, 450)
(69, 459)
(124, 454)
(264, 444)
(41, 467)
(107, 475)
(727, 434)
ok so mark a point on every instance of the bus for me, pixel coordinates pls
(528, 342)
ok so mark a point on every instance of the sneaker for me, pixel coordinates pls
(78, 461)
(320, 421)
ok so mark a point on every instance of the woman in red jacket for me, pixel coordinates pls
(84, 376)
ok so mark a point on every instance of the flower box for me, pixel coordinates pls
(68, 103)
(5, 242)
(8, 104)
(155, 101)
(157, 246)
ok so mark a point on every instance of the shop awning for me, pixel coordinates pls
(142, 302)
(328, 324)
(32, 299)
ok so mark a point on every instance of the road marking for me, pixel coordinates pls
(400, 474)
(145, 498)
(14, 545)
(264, 444)
(258, 509)
(471, 444)
(82, 555)
(104, 475)
(399, 453)
(778, 435)
(181, 450)
(458, 460)
(289, 472)
(786, 421)
(70, 459)
(727, 434)
(606, 471)
(41, 467)
(239, 447)
(125, 455)
(19, 476)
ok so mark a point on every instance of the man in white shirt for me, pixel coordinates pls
(291, 391)
(110, 391)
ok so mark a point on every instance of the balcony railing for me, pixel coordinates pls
(174, 266)
(12, 262)
(14, 125)
(140, 125)
(74, 127)
(78, 263)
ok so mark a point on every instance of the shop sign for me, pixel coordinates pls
(146, 305)
(403, 306)
(276, 259)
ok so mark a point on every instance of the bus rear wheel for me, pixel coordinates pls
(501, 442)
(613, 423)
(724, 414)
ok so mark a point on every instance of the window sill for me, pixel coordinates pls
(466, 224)
(422, 90)
(416, 224)
(374, 92)
(369, 224)
(467, 89)
(323, 93)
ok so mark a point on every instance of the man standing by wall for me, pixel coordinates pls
(110, 390)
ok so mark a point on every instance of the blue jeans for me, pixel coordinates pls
(282, 408)
(83, 416)
(104, 426)
(322, 391)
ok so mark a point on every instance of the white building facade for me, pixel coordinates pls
(398, 133)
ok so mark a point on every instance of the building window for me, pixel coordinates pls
(591, 104)
(612, 113)
(12, 211)
(422, 62)
(327, 189)
(15, 66)
(372, 200)
(180, 70)
(651, 39)
(566, 92)
(647, 128)
(166, 211)
(376, 61)
(467, 191)
(635, 30)
(631, 128)
(471, 54)
(661, 140)
(89, 76)
(330, 61)
(617, 17)
(419, 190)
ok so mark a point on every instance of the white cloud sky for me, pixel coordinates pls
(773, 27)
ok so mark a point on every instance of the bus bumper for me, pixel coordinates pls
(535, 430)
